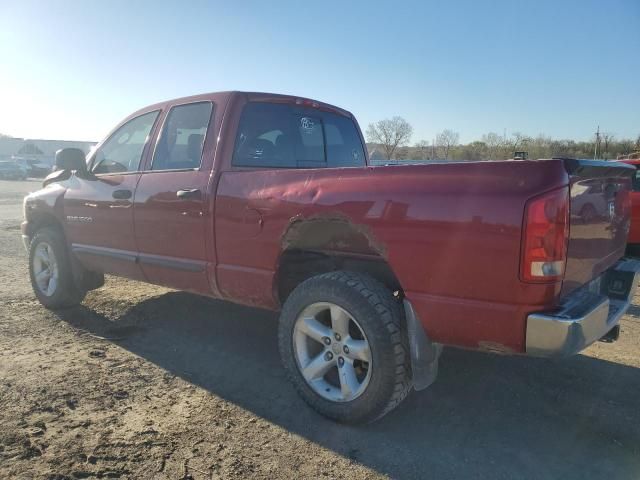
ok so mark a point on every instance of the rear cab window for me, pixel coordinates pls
(272, 135)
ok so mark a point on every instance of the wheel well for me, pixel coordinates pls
(83, 278)
(43, 220)
(298, 265)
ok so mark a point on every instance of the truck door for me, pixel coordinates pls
(172, 207)
(99, 210)
(279, 150)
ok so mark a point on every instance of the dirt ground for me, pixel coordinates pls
(139, 380)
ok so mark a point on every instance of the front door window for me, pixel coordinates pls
(122, 152)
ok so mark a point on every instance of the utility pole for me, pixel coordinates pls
(595, 150)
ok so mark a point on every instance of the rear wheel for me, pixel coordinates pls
(50, 270)
(343, 345)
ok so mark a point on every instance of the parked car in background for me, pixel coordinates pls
(270, 201)
(10, 170)
(38, 168)
(590, 202)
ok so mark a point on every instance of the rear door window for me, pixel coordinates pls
(182, 139)
(285, 136)
(265, 137)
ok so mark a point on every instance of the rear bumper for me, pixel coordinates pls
(586, 315)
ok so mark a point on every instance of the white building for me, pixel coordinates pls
(43, 151)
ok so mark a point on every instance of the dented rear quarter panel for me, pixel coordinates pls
(451, 233)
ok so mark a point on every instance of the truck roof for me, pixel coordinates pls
(252, 97)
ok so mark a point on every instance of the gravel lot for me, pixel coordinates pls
(140, 379)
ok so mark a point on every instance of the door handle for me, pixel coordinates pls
(188, 193)
(122, 194)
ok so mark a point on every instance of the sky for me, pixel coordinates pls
(73, 69)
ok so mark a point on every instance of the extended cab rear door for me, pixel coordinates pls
(274, 148)
(172, 209)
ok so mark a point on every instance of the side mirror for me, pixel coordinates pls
(71, 159)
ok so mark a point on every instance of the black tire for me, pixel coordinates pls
(380, 316)
(67, 293)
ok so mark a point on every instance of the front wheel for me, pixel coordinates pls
(343, 344)
(50, 270)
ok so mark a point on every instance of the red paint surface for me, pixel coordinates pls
(634, 233)
(112, 220)
(451, 233)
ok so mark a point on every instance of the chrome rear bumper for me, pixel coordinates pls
(585, 315)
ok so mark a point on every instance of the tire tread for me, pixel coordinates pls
(391, 315)
(69, 294)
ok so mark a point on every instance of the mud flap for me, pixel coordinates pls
(424, 352)
(83, 278)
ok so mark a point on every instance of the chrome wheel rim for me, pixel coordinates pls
(332, 352)
(45, 269)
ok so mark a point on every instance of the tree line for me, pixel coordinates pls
(389, 139)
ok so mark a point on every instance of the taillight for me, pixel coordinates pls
(546, 231)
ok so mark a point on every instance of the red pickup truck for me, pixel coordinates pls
(269, 200)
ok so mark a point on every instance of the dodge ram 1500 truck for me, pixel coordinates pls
(269, 200)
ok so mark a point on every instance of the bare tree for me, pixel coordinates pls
(422, 150)
(625, 145)
(446, 140)
(540, 147)
(402, 153)
(495, 145)
(474, 151)
(607, 139)
(391, 133)
(519, 140)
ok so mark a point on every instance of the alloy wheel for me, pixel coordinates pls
(332, 352)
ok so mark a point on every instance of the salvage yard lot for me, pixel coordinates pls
(140, 379)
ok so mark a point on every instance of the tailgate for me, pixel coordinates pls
(600, 218)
